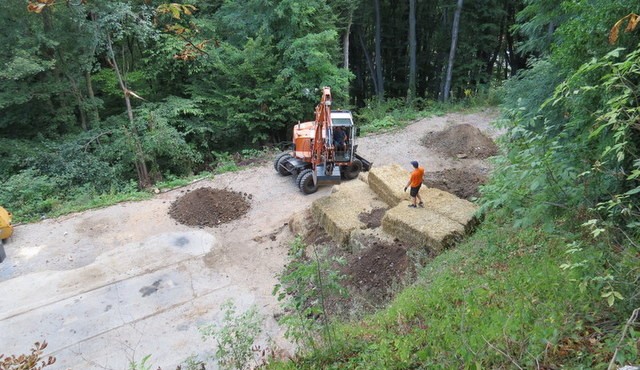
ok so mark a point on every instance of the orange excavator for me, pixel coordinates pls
(324, 150)
(5, 230)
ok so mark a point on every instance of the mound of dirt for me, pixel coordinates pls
(373, 272)
(372, 219)
(464, 183)
(209, 207)
(461, 141)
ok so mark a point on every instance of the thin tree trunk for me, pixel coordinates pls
(345, 47)
(378, 59)
(92, 98)
(345, 43)
(141, 167)
(452, 51)
(412, 51)
(494, 57)
(369, 63)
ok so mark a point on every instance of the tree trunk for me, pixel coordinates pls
(494, 57)
(369, 63)
(144, 180)
(345, 43)
(92, 98)
(452, 52)
(378, 59)
(412, 51)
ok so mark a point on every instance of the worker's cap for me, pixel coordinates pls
(414, 163)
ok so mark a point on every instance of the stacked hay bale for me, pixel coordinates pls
(421, 227)
(339, 212)
(442, 223)
(450, 206)
(388, 182)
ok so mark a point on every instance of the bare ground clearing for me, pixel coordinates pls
(110, 285)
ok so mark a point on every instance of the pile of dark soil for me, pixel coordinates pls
(209, 207)
(461, 141)
(464, 183)
(373, 272)
(370, 274)
(372, 219)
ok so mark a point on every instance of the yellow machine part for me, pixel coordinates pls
(5, 224)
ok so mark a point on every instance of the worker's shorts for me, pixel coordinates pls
(414, 191)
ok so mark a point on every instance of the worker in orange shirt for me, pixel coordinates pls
(415, 182)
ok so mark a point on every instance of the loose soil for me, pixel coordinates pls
(372, 219)
(375, 273)
(461, 141)
(464, 183)
(209, 207)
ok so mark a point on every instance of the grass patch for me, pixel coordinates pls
(499, 300)
(396, 113)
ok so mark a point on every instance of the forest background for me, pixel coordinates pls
(108, 97)
(100, 100)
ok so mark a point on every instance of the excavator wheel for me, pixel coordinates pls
(278, 164)
(353, 170)
(301, 176)
(278, 157)
(306, 183)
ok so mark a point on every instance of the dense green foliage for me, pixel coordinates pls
(95, 95)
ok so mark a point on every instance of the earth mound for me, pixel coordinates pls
(373, 219)
(374, 272)
(464, 183)
(209, 207)
(461, 141)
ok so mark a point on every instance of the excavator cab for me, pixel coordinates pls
(342, 122)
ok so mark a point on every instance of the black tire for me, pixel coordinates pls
(306, 183)
(278, 158)
(353, 170)
(282, 170)
(301, 175)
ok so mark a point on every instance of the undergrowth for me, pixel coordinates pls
(32, 195)
(392, 114)
(503, 299)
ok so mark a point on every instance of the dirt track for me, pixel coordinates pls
(110, 285)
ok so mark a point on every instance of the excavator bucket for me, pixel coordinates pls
(5, 230)
(5, 224)
(366, 165)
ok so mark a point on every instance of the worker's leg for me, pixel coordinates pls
(414, 194)
(421, 204)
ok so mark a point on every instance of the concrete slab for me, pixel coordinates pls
(119, 264)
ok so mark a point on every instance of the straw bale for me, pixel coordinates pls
(450, 206)
(388, 182)
(364, 177)
(299, 222)
(422, 227)
(338, 212)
